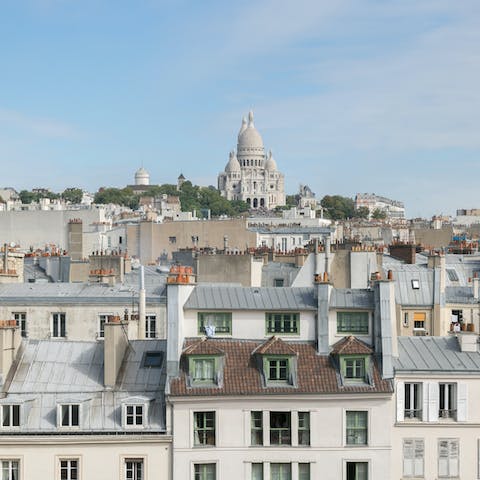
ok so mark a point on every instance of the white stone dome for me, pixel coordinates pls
(233, 165)
(270, 164)
(249, 136)
(142, 177)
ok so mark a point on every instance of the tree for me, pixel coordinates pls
(362, 212)
(379, 214)
(338, 207)
(72, 195)
(27, 197)
(291, 200)
(117, 196)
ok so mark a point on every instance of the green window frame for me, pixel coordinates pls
(354, 368)
(222, 321)
(205, 471)
(256, 422)
(353, 322)
(204, 429)
(357, 428)
(203, 369)
(304, 428)
(277, 369)
(283, 323)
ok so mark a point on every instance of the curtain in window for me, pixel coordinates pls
(280, 471)
(257, 471)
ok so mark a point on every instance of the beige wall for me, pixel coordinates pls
(149, 240)
(101, 457)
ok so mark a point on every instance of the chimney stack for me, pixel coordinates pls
(141, 304)
(115, 345)
(10, 340)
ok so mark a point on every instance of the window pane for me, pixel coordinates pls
(303, 471)
(257, 471)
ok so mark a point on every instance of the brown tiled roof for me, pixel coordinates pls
(316, 374)
(275, 346)
(351, 346)
(204, 346)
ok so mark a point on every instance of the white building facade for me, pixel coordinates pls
(250, 174)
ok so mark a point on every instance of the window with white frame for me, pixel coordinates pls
(303, 471)
(447, 400)
(134, 469)
(205, 471)
(134, 415)
(448, 458)
(21, 319)
(10, 415)
(102, 320)
(256, 428)
(357, 427)
(280, 471)
(413, 400)
(413, 457)
(10, 469)
(150, 326)
(304, 428)
(59, 325)
(69, 469)
(204, 428)
(257, 471)
(69, 415)
(357, 471)
(280, 428)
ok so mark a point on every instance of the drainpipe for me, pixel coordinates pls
(141, 304)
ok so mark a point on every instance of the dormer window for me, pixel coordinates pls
(277, 369)
(205, 363)
(416, 284)
(10, 416)
(203, 370)
(353, 360)
(134, 413)
(68, 415)
(354, 368)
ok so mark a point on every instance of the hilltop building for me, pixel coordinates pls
(393, 208)
(250, 174)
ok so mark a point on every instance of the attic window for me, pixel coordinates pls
(153, 359)
(452, 275)
(416, 284)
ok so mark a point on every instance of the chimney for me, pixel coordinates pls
(467, 341)
(141, 303)
(115, 345)
(317, 258)
(475, 286)
(10, 340)
(405, 252)
(324, 290)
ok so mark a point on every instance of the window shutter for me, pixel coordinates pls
(408, 456)
(454, 454)
(400, 401)
(443, 456)
(433, 397)
(419, 454)
(424, 394)
(462, 394)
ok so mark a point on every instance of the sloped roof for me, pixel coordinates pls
(351, 346)
(316, 374)
(435, 355)
(275, 346)
(352, 298)
(52, 372)
(220, 297)
(203, 347)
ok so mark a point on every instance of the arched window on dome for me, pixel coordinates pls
(255, 202)
(248, 201)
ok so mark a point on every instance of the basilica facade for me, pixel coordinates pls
(250, 174)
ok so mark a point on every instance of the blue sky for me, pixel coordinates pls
(375, 96)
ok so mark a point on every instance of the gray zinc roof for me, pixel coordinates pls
(352, 298)
(459, 295)
(55, 372)
(435, 355)
(75, 293)
(219, 297)
(405, 294)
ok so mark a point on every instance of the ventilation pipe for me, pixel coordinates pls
(5, 257)
(317, 259)
(141, 303)
(326, 241)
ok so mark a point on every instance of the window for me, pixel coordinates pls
(256, 422)
(69, 469)
(134, 415)
(277, 369)
(150, 326)
(413, 400)
(353, 368)
(153, 359)
(205, 471)
(457, 315)
(10, 415)
(285, 323)
(172, 240)
(405, 319)
(447, 400)
(257, 471)
(69, 415)
(278, 282)
(304, 428)
(357, 428)
(202, 370)
(357, 471)
(416, 284)
(204, 428)
(58, 325)
(413, 454)
(21, 318)
(419, 320)
(448, 458)
(10, 470)
(303, 471)
(221, 321)
(280, 428)
(280, 471)
(102, 320)
(134, 469)
(352, 322)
